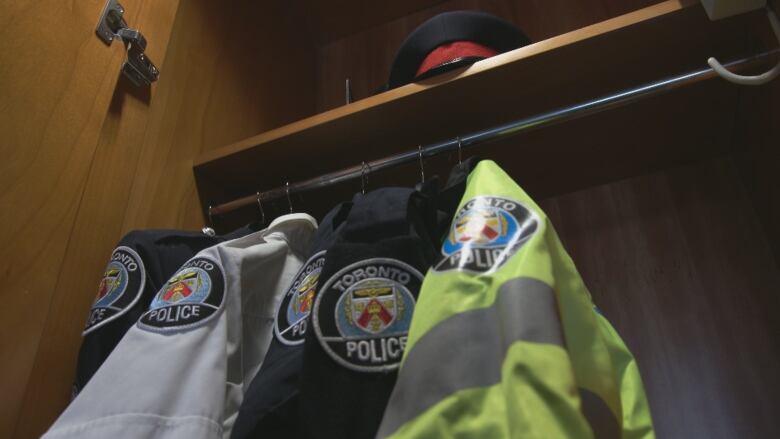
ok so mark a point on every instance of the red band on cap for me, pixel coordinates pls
(451, 51)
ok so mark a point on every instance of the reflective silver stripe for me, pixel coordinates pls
(468, 349)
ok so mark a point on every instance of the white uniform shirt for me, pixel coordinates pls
(181, 371)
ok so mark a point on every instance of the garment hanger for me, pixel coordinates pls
(363, 177)
(262, 213)
(287, 190)
(208, 230)
(754, 79)
(422, 167)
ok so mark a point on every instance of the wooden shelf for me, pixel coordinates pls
(662, 40)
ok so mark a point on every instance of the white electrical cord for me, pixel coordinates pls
(756, 79)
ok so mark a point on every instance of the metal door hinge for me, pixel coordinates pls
(138, 68)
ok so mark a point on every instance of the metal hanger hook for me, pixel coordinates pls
(287, 190)
(262, 212)
(208, 230)
(364, 176)
(460, 146)
(763, 78)
(422, 168)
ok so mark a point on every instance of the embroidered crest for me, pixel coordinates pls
(485, 233)
(362, 313)
(119, 289)
(190, 297)
(292, 317)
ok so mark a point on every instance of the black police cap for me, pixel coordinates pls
(473, 26)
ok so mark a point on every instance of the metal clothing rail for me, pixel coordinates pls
(481, 137)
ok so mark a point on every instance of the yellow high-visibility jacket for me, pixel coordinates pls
(505, 341)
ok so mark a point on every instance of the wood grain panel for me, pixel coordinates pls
(331, 20)
(365, 57)
(214, 88)
(679, 263)
(94, 231)
(56, 87)
(244, 82)
(756, 141)
(756, 145)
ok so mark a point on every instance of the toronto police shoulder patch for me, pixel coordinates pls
(362, 313)
(485, 233)
(192, 296)
(292, 316)
(119, 289)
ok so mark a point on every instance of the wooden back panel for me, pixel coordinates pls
(678, 261)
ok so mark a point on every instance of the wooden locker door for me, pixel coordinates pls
(68, 125)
